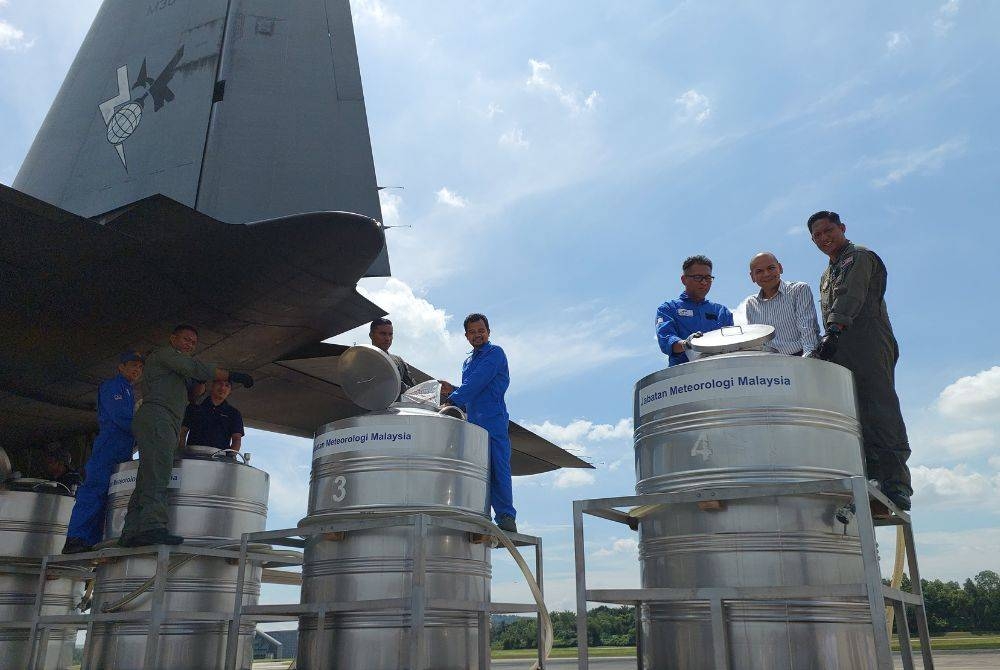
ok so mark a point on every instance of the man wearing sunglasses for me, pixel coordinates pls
(679, 321)
(859, 337)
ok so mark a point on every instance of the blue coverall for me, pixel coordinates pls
(485, 379)
(114, 444)
(677, 319)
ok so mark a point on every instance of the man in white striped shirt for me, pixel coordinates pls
(788, 306)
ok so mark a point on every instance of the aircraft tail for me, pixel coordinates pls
(241, 109)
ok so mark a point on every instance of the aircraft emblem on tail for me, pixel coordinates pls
(122, 115)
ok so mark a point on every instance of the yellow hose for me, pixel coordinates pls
(897, 574)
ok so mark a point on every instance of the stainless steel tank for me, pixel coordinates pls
(403, 457)
(728, 421)
(34, 516)
(211, 500)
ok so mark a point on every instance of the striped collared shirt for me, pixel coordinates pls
(792, 312)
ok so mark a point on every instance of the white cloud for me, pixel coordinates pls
(580, 429)
(375, 13)
(695, 106)
(569, 479)
(968, 443)
(946, 15)
(538, 354)
(541, 79)
(606, 431)
(493, 110)
(920, 161)
(796, 230)
(896, 41)
(957, 487)
(956, 555)
(973, 397)
(391, 204)
(740, 313)
(514, 138)
(13, 39)
(446, 197)
(628, 546)
(571, 432)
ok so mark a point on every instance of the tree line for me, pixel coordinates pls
(973, 606)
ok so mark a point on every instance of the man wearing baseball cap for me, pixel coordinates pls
(114, 445)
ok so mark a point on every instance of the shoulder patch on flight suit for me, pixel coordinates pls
(711, 317)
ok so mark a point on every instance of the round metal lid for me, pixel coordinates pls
(369, 377)
(733, 338)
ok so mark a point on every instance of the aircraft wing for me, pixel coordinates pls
(299, 394)
(76, 291)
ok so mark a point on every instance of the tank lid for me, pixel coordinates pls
(733, 338)
(369, 377)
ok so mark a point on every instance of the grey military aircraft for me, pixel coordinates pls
(242, 200)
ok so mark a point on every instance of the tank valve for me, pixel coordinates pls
(845, 514)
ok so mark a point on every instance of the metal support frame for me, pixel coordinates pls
(855, 488)
(62, 565)
(416, 600)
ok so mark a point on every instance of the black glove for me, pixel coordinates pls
(241, 378)
(687, 342)
(827, 345)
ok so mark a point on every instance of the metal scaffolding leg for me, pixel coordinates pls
(417, 599)
(872, 589)
(155, 618)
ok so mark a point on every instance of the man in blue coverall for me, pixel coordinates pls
(690, 315)
(485, 379)
(114, 445)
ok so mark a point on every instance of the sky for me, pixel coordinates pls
(559, 160)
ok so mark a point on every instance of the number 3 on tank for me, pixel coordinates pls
(339, 488)
(701, 448)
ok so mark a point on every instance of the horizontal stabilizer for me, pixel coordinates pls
(300, 411)
(75, 292)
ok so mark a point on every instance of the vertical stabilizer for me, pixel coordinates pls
(242, 109)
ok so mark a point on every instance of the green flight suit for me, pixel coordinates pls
(155, 427)
(852, 294)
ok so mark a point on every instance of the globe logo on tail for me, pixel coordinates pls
(124, 122)
(122, 115)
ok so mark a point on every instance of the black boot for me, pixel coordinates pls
(157, 536)
(507, 524)
(75, 545)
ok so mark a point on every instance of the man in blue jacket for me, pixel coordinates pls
(485, 379)
(690, 315)
(114, 445)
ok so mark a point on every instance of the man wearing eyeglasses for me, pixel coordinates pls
(679, 321)
(859, 337)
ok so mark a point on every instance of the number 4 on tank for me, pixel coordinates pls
(702, 448)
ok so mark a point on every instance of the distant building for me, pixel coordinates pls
(275, 644)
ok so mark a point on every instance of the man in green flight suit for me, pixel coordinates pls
(859, 337)
(155, 427)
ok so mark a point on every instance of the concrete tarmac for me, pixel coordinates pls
(943, 660)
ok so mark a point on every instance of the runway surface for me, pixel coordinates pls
(943, 660)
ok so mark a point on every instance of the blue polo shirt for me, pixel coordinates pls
(677, 319)
(485, 378)
(212, 425)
